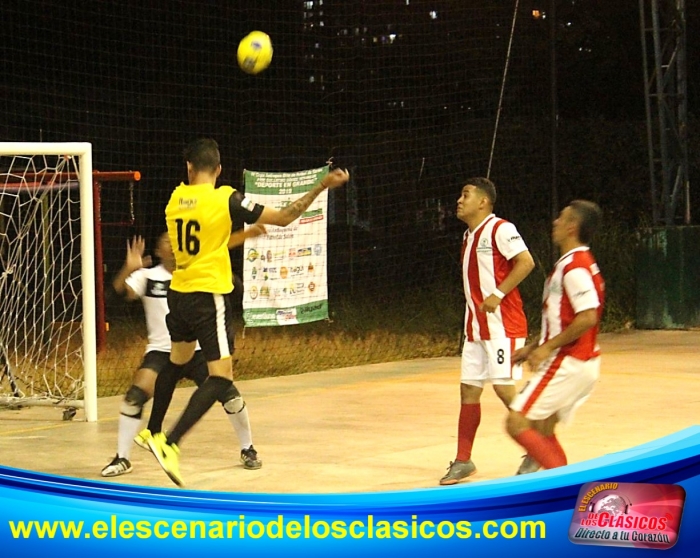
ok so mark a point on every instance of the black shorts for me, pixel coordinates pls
(203, 317)
(195, 370)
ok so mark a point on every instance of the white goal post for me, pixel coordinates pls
(47, 278)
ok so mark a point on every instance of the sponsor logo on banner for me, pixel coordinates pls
(304, 220)
(633, 515)
(286, 316)
(310, 308)
(311, 216)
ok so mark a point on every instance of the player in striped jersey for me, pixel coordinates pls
(566, 359)
(495, 260)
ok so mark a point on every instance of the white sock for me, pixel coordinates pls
(241, 424)
(128, 428)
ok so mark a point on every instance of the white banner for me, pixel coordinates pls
(284, 271)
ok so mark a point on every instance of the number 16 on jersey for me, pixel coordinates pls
(187, 239)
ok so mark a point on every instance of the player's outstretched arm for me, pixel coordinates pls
(282, 217)
(239, 237)
(134, 260)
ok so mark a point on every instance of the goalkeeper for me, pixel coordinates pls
(150, 284)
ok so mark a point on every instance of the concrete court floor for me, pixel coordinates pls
(373, 428)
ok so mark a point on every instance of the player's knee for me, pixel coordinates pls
(134, 400)
(516, 423)
(505, 392)
(230, 393)
(234, 406)
(470, 391)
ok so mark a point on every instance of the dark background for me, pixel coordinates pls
(403, 93)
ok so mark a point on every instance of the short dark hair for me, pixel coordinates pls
(203, 154)
(485, 185)
(589, 217)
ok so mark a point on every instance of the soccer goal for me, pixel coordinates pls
(47, 277)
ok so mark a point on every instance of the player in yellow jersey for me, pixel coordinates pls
(200, 218)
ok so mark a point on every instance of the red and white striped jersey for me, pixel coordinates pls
(487, 254)
(574, 285)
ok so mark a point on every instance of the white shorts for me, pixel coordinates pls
(558, 387)
(489, 361)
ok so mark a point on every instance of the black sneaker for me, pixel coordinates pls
(118, 466)
(249, 458)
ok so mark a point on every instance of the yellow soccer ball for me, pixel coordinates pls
(255, 52)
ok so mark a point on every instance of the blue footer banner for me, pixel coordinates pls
(639, 500)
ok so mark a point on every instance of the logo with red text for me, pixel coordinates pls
(633, 515)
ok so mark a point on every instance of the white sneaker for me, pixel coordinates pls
(118, 466)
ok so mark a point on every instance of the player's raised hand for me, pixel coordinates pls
(538, 356)
(520, 355)
(335, 178)
(134, 254)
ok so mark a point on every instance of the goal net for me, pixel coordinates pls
(47, 277)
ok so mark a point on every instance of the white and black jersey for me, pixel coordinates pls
(151, 286)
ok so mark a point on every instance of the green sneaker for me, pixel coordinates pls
(168, 456)
(141, 439)
(457, 472)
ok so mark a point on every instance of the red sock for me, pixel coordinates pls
(557, 446)
(469, 419)
(546, 452)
